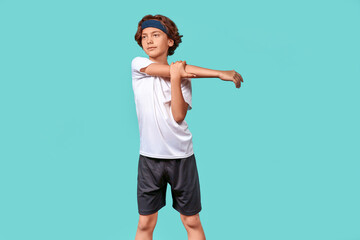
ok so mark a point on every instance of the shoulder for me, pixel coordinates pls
(137, 59)
(140, 59)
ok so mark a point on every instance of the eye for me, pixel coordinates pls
(156, 34)
(143, 36)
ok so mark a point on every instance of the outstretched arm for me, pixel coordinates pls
(191, 71)
(163, 70)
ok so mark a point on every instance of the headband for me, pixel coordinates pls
(154, 24)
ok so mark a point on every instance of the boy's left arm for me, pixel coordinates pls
(178, 105)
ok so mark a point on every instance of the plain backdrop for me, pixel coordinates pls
(278, 159)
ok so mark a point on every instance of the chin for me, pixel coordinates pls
(152, 54)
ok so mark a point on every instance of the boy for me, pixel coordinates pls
(163, 95)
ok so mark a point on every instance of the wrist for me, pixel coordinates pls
(175, 76)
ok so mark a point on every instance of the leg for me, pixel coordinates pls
(193, 227)
(185, 190)
(146, 227)
(151, 195)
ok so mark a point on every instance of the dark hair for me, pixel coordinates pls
(170, 26)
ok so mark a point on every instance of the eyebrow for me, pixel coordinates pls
(151, 32)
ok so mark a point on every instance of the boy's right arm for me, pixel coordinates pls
(163, 70)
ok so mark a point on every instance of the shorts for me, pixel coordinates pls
(181, 174)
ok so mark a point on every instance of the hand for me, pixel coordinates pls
(178, 69)
(233, 76)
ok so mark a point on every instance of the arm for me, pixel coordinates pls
(178, 105)
(163, 70)
(191, 71)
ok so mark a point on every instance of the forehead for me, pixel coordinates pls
(150, 30)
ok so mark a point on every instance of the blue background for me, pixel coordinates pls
(278, 159)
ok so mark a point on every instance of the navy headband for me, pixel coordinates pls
(154, 24)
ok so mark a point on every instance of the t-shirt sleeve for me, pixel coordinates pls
(136, 64)
(187, 91)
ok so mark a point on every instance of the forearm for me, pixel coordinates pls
(202, 72)
(163, 70)
(178, 104)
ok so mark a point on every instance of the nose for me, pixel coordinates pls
(149, 40)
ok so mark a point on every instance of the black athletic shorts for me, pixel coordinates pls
(181, 174)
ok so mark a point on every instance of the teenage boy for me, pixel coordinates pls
(163, 95)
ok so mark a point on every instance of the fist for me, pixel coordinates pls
(233, 76)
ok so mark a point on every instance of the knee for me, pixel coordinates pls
(191, 221)
(147, 223)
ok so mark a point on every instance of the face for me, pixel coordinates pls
(155, 42)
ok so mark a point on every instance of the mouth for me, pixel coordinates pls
(151, 48)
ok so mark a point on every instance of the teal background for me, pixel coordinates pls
(278, 159)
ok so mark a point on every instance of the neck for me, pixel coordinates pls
(160, 59)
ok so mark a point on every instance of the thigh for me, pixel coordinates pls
(185, 185)
(151, 185)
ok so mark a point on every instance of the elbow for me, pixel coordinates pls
(178, 118)
(179, 115)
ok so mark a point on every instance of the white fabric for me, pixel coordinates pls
(160, 135)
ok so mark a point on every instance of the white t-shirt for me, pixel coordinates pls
(160, 135)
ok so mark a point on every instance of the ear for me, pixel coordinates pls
(171, 42)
